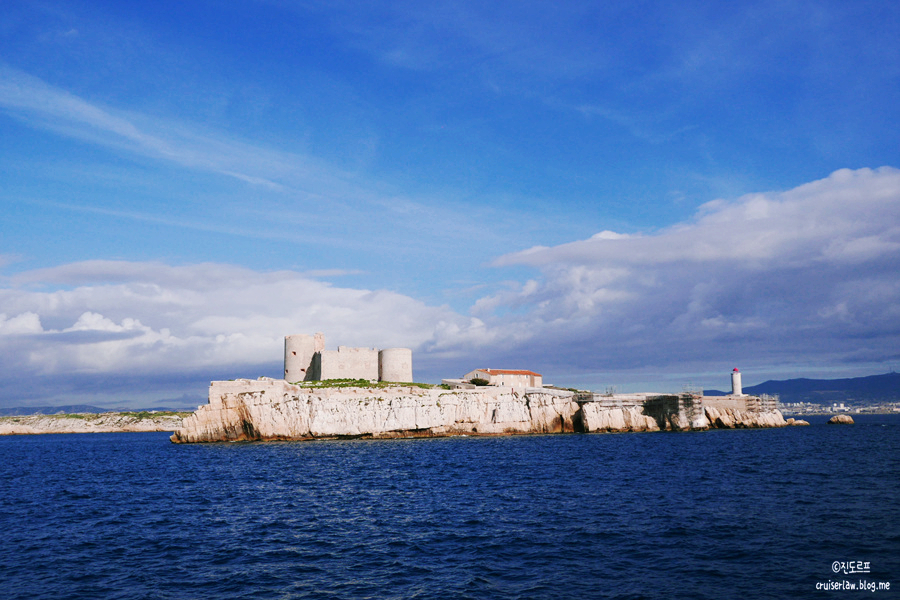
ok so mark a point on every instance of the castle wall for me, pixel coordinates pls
(348, 363)
(732, 402)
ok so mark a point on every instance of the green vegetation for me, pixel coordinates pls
(479, 381)
(152, 414)
(83, 416)
(25, 418)
(361, 383)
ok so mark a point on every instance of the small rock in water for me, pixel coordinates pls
(840, 420)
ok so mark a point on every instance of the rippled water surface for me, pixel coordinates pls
(720, 514)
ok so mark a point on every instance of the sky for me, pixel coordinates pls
(640, 195)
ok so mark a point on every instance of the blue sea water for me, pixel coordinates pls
(719, 514)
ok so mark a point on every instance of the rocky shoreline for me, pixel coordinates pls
(270, 409)
(114, 422)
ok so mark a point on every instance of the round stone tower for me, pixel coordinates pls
(299, 351)
(395, 364)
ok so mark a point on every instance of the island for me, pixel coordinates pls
(272, 409)
(370, 406)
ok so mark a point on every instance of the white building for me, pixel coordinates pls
(508, 377)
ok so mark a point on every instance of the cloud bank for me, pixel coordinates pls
(803, 279)
(152, 323)
(809, 275)
(109, 316)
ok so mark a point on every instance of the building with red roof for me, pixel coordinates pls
(508, 377)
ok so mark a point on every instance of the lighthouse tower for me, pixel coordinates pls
(736, 383)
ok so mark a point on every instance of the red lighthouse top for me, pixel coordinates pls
(735, 370)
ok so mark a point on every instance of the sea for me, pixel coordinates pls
(797, 512)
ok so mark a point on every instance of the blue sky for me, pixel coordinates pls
(637, 194)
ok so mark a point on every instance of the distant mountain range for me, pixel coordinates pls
(873, 389)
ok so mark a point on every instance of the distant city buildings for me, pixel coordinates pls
(813, 408)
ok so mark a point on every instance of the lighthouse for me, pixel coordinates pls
(736, 383)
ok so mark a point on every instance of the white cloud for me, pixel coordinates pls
(24, 323)
(93, 322)
(847, 217)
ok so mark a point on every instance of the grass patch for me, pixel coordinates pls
(82, 416)
(361, 383)
(152, 414)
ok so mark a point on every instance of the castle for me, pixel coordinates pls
(306, 359)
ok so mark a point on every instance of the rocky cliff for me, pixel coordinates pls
(276, 410)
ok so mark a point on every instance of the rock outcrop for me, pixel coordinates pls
(732, 418)
(841, 420)
(90, 423)
(796, 422)
(271, 409)
(596, 418)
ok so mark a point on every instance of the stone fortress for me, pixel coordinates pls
(306, 359)
(513, 402)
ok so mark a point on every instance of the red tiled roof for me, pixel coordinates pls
(510, 372)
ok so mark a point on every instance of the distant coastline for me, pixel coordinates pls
(110, 422)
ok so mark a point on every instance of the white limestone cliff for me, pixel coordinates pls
(730, 418)
(275, 409)
(272, 409)
(597, 418)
